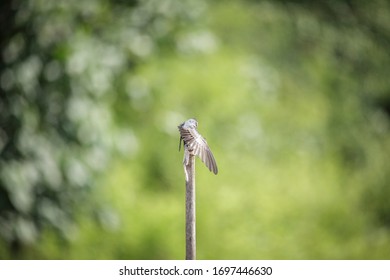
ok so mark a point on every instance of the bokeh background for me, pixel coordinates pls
(293, 97)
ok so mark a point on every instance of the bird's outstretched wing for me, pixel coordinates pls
(196, 144)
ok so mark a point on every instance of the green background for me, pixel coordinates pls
(292, 96)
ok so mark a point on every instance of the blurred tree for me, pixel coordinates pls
(354, 37)
(360, 121)
(61, 63)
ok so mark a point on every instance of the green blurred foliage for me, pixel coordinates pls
(62, 63)
(292, 96)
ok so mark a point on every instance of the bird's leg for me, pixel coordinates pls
(186, 161)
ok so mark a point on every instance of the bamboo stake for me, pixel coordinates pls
(189, 170)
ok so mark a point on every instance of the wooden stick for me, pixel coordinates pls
(189, 170)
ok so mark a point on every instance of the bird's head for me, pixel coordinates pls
(191, 123)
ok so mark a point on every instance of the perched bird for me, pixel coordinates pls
(195, 144)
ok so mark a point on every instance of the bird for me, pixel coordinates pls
(195, 144)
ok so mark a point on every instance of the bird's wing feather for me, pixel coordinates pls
(199, 145)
